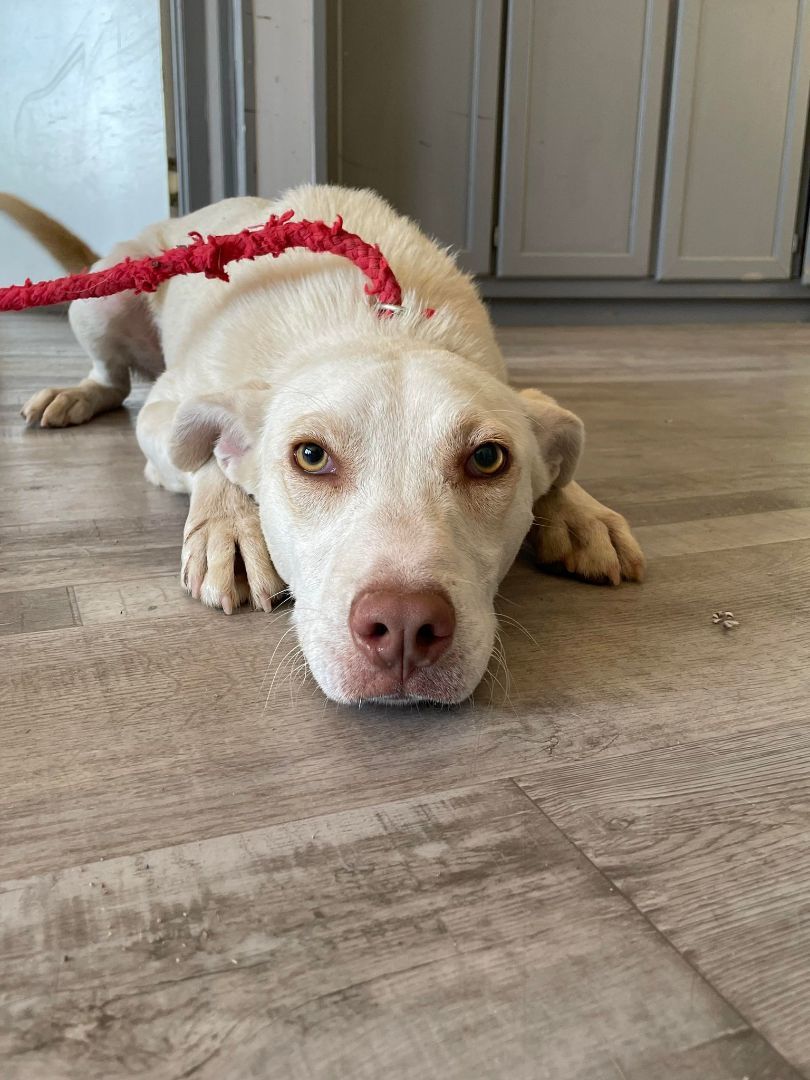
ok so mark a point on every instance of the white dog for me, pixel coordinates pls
(379, 468)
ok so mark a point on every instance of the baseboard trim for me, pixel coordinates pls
(644, 289)
(584, 312)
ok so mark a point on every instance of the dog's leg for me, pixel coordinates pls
(573, 530)
(225, 561)
(117, 332)
(153, 430)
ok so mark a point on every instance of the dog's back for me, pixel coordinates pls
(302, 296)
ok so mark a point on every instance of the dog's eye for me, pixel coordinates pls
(313, 459)
(488, 459)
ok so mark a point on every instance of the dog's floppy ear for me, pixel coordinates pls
(225, 425)
(560, 437)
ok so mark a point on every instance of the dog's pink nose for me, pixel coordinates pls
(402, 631)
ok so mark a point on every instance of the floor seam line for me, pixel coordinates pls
(658, 931)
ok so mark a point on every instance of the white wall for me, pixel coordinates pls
(82, 130)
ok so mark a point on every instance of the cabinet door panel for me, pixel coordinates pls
(582, 118)
(736, 139)
(416, 112)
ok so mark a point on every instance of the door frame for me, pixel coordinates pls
(212, 99)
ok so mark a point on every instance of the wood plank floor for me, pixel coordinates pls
(206, 869)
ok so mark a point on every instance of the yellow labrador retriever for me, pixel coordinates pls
(379, 468)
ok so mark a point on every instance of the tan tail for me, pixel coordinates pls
(68, 250)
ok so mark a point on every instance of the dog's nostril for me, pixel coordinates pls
(399, 631)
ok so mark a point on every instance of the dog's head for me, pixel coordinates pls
(395, 490)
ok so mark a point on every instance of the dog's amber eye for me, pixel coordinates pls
(488, 459)
(313, 459)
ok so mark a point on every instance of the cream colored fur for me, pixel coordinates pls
(290, 351)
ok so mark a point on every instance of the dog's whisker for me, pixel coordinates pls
(518, 624)
(506, 599)
(294, 664)
(494, 657)
(499, 655)
(301, 669)
(280, 667)
(289, 630)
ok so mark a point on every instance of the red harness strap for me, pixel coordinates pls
(210, 256)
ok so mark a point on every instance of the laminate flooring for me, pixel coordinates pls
(597, 868)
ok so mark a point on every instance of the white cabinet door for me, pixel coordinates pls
(584, 84)
(736, 139)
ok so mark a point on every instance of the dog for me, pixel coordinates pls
(380, 469)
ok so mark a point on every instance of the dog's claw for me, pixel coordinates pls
(226, 604)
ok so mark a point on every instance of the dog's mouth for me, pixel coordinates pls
(395, 699)
(405, 700)
(445, 685)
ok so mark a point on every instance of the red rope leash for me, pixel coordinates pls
(210, 257)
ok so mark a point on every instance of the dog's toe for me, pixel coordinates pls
(36, 405)
(226, 564)
(575, 531)
(593, 555)
(68, 408)
(57, 407)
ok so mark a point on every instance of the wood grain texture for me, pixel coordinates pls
(99, 550)
(463, 930)
(711, 843)
(207, 707)
(35, 610)
(156, 597)
(725, 533)
(460, 933)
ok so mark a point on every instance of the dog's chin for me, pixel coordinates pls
(363, 685)
(347, 677)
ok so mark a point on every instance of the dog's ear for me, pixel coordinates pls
(560, 438)
(225, 425)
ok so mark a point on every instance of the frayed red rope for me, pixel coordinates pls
(210, 256)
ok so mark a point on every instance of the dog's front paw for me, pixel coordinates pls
(573, 530)
(55, 407)
(225, 560)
